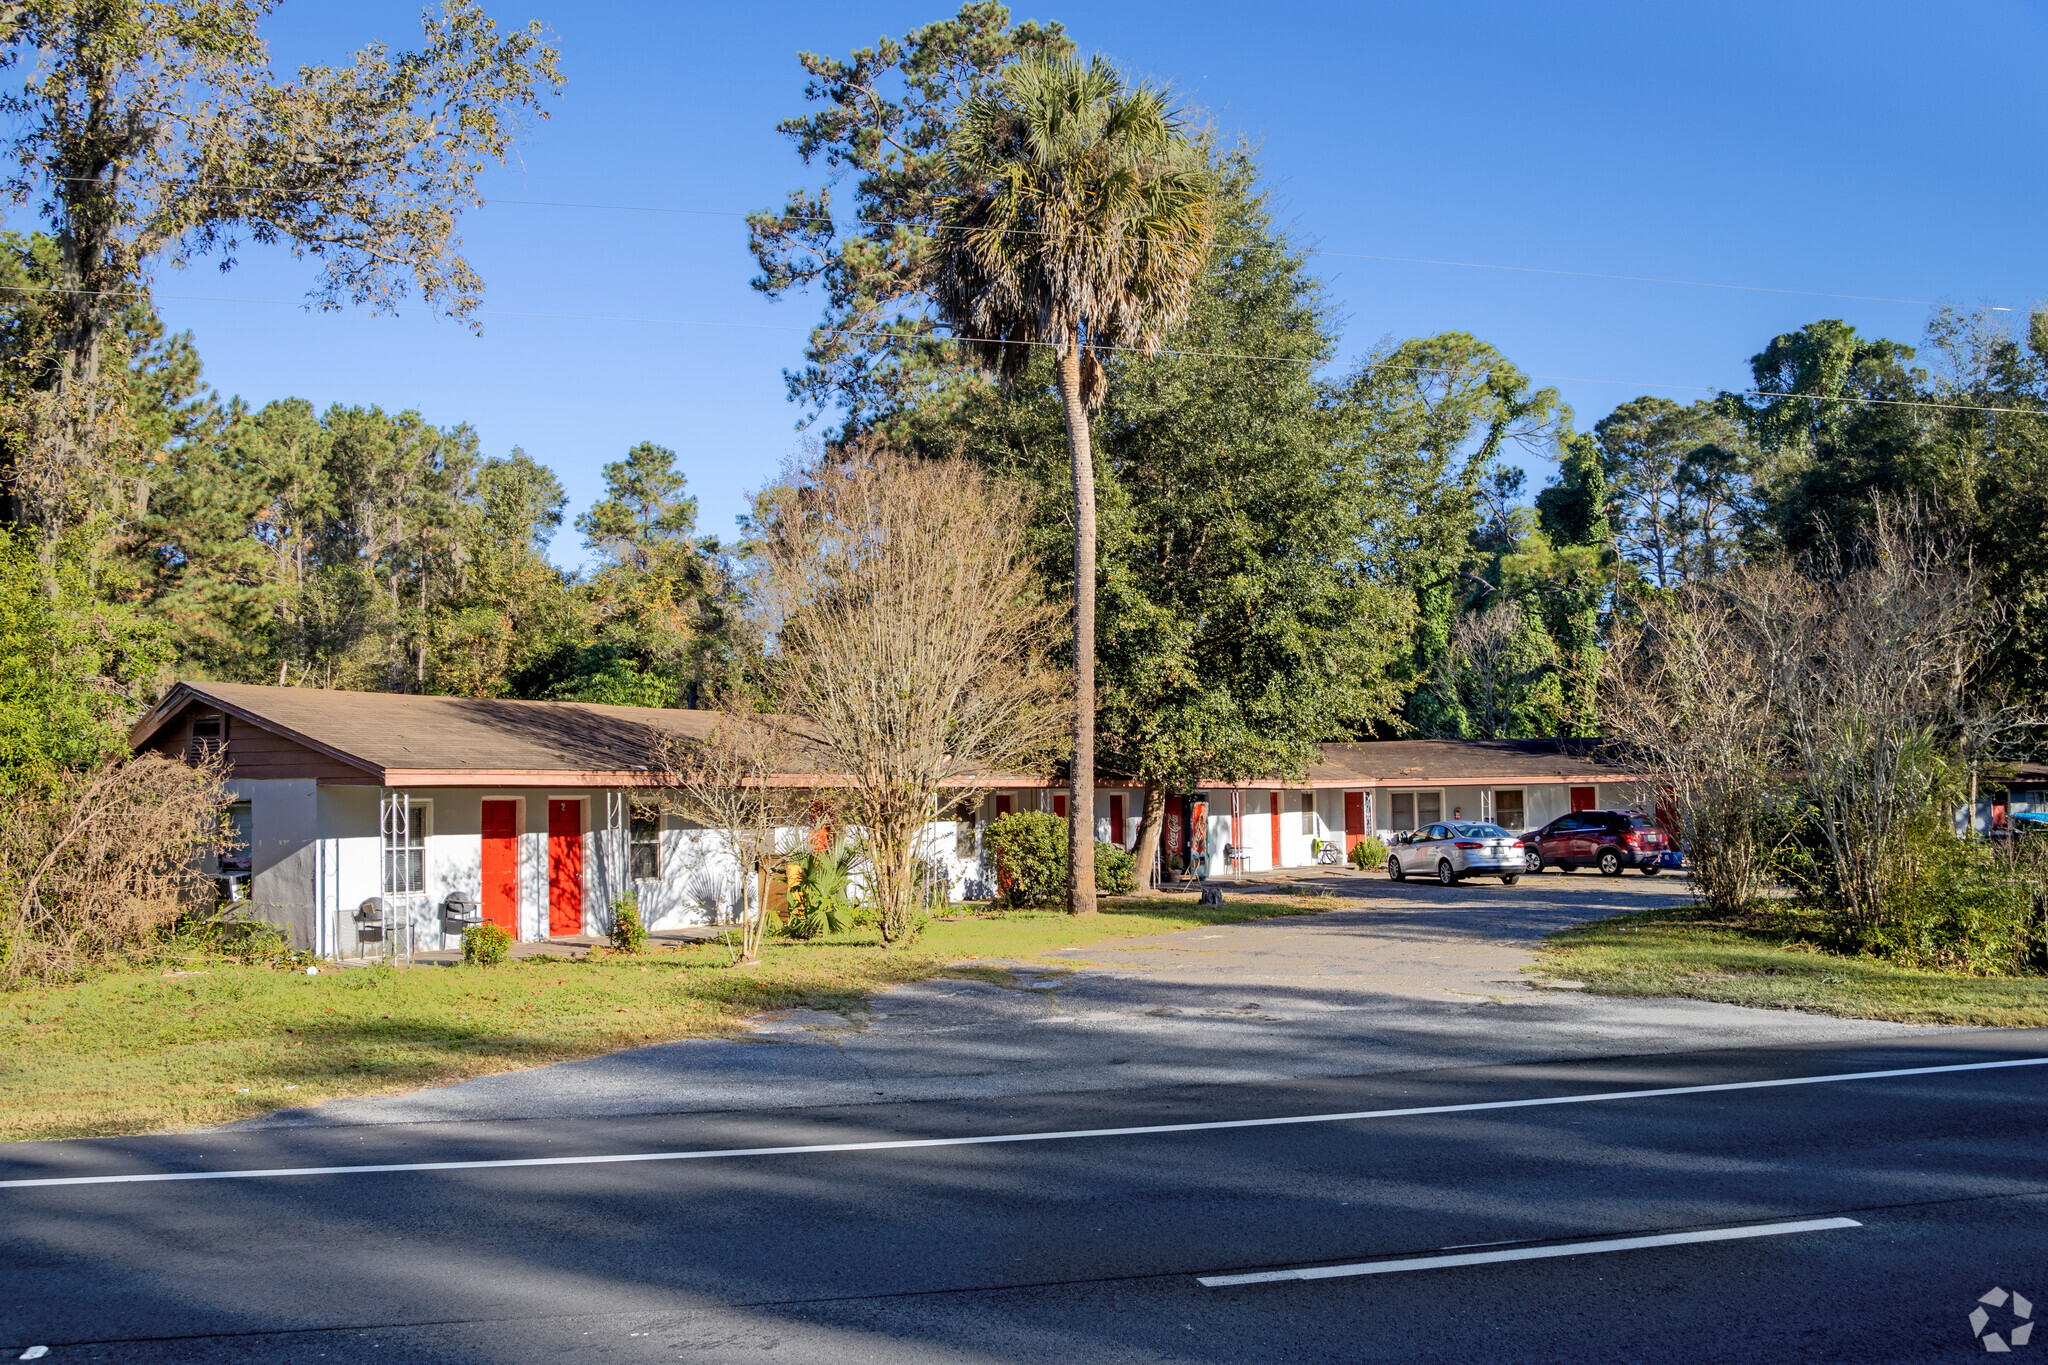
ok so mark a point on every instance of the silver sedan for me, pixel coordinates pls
(1453, 852)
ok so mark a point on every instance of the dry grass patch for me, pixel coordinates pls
(132, 1052)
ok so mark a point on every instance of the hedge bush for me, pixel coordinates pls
(486, 945)
(1116, 870)
(629, 931)
(1030, 851)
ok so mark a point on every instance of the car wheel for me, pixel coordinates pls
(1651, 869)
(1445, 873)
(1394, 872)
(1610, 863)
(1511, 879)
(1532, 861)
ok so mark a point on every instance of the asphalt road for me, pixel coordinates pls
(1416, 977)
(1089, 1248)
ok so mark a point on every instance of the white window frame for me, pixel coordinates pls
(1415, 820)
(660, 823)
(419, 828)
(242, 860)
(1492, 810)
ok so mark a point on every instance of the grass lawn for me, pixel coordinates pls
(133, 1052)
(1763, 962)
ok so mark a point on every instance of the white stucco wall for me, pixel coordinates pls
(316, 851)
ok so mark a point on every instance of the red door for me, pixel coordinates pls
(501, 865)
(565, 867)
(1116, 821)
(1059, 806)
(1354, 820)
(1273, 800)
(1002, 806)
(1585, 798)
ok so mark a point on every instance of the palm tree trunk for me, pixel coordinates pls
(1081, 800)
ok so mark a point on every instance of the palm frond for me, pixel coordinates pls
(1083, 218)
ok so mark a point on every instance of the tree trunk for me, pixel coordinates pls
(1970, 825)
(1150, 827)
(1081, 800)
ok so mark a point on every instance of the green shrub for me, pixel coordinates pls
(629, 932)
(1116, 871)
(250, 941)
(486, 945)
(1031, 860)
(1962, 906)
(1030, 851)
(818, 897)
(1368, 852)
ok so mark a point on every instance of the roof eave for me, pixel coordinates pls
(147, 729)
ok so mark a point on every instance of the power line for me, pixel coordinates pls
(895, 336)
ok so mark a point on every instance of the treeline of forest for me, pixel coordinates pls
(1288, 554)
(1291, 549)
(351, 548)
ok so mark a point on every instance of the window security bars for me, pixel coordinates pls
(387, 924)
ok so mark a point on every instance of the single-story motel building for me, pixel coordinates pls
(363, 814)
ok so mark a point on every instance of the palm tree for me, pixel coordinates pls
(1080, 221)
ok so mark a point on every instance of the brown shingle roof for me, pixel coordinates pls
(421, 741)
(413, 738)
(1426, 762)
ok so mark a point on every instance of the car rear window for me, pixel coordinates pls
(1642, 822)
(1482, 832)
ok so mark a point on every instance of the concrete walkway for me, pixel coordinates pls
(1405, 978)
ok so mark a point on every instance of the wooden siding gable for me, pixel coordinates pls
(256, 750)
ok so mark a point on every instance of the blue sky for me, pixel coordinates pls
(1868, 149)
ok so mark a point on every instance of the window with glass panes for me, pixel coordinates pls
(645, 849)
(1417, 809)
(1509, 811)
(405, 850)
(1308, 812)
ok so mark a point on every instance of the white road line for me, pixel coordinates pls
(909, 1144)
(1666, 1239)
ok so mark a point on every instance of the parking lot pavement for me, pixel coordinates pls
(1404, 978)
